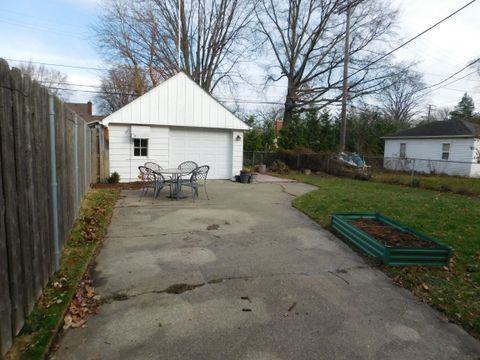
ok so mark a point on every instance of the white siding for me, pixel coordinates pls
(475, 172)
(237, 152)
(179, 101)
(431, 149)
(121, 150)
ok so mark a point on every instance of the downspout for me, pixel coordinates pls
(77, 175)
(54, 186)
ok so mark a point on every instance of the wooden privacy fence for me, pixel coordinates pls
(29, 213)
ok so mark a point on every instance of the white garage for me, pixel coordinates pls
(175, 122)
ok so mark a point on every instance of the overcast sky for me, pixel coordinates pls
(58, 31)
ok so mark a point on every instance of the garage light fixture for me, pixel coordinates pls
(238, 138)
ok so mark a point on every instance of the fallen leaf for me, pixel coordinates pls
(67, 321)
(90, 291)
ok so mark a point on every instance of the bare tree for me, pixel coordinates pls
(119, 87)
(441, 114)
(306, 39)
(143, 35)
(401, 99)
(55, 80)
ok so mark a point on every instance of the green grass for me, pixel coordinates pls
(40, 327)
(461, 185)
(451, 218)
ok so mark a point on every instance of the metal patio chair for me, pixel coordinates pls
(152, 165)
(198, 179)
(188, 165)
(157, 168)
(151, 180)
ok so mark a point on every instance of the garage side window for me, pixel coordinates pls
(403, 150)
(445, 151)
(140, 147)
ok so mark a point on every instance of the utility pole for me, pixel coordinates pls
(429, 111)
(343, 128)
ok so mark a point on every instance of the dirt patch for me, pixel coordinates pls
(391, 236)
(213, 227)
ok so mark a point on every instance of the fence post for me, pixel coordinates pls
(298, 161)
(85, 156)
(413, 173)
(54, 185)
(253, 158)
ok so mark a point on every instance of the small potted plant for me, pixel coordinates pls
(245, 174)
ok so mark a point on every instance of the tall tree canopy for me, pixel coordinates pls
(306, 38)
(402, 98)
(464, 110)
(142, 37)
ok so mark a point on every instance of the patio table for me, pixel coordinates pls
(176, 175)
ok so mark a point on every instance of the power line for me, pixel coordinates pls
(230, 100)
(412, 39)
(451, 76)
(59, 65)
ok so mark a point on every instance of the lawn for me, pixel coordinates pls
(456, 184)
(86, 236)
(451, 218)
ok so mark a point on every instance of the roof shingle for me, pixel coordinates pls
(440, 129)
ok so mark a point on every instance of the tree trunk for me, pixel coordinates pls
(289, 104)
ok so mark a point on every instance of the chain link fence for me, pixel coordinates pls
(376, 165)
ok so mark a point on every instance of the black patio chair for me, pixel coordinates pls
(198, 179)
(151, 180)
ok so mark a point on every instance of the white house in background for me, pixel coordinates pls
(447, 147)
(175, 122)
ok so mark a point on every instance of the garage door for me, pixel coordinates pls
(213, 148)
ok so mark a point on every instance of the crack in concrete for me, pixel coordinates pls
(284, 190)
(177, 289)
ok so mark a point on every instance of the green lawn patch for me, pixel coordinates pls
(456, 184)
(87, 234)
(451, 218)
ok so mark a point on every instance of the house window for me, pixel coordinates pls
(140, 147)
(403, 150)
(445, 151)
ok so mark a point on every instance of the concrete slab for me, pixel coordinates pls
(264, 178)
(269, 283)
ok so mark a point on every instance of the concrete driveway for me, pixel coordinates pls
(268, 283)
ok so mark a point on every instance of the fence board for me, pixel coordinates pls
(69, 196)
(38, 176)
(5, 304)
(46, 182)
(18, 100)
(32, 189)
(10, 199)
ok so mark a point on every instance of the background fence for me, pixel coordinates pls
(325, 162)
(28, 188)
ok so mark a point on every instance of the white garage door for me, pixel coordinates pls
(205, 147)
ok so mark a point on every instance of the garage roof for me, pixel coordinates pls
(178, 101)
(439, 129)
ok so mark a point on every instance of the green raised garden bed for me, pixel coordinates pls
(390, 241)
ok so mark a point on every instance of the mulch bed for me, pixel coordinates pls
(122, 186)
(391, 236)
